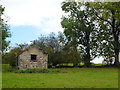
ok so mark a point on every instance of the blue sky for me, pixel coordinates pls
(23, 34)
(28, 19)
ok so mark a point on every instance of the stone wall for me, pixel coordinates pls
(25, 62)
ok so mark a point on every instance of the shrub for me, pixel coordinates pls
(19, 71)
(36, 70)
(6, 67)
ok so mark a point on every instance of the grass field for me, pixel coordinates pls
(67, 78)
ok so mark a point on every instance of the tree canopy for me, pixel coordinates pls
(107, 15)
(94, 26)
(79, 27)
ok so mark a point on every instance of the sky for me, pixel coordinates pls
(28, 19)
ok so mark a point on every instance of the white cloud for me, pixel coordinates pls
(29, 43)
(44, 14)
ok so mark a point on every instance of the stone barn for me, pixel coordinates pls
(32, 57)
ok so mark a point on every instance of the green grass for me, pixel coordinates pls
(67, 78)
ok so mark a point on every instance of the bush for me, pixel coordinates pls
(19, 71)
(6, 67)
(36, 70)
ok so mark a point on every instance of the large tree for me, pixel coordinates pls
(107, 15)
(78, 28)
(4, 31)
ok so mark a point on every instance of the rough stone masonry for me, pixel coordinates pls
(32, 58)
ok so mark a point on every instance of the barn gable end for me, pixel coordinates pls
(32, 58)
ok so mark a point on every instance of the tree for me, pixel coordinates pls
(50, 44)
(78, 28)
(4, 31)
(59, 52)
(11, 57)
(69, 51)
(108, 17)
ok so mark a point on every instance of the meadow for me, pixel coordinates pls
(66, 78)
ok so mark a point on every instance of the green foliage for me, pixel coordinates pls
(35, 70)
(55, 46)
(108, 17)
(4, 31)
(78, 27)
(96, 27)
(11, 57)
(6, 67)
(50, 45)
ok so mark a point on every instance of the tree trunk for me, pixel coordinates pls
(116, 63)
(116, 48)
(87, 56)
(116, 40)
